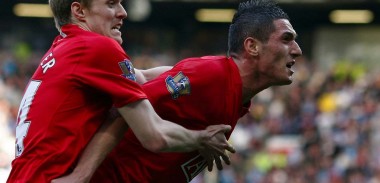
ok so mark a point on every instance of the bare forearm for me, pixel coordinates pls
(157, 135)
(149, 74)
(178, 138)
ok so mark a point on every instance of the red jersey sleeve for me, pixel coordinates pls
(107, 68)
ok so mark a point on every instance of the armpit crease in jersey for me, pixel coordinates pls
(128, 70)
(178, 85)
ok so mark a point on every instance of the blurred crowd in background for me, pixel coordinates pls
(323, 128)
(334, 116)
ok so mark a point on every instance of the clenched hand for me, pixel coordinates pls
(215, 146)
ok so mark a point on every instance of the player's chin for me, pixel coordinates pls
(285, 81)
(289, 80)
(118, 39)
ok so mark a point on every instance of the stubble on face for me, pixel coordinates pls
(278, 58)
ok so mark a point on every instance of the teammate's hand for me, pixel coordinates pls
(71, 178)
(215, 146)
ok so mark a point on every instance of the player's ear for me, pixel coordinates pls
(77, 11)
(251, 46)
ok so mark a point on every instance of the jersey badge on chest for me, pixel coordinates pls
(178, 85)
(128, 69)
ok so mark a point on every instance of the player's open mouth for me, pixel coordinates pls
(115, 28)
(289, 66)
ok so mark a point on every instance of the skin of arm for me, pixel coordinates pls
(155, 134)
(158, 135)
(149, 74)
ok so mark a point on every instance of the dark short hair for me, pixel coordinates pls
(254, 18)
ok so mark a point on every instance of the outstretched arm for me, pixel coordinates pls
(154, 134)
(159, 135)
(146, 75)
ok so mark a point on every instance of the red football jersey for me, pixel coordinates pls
(79, 79)
(196, 93)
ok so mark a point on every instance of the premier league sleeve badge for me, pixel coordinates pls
(178, 85)
(128, 69)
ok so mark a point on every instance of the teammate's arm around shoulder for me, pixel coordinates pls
(144, 76)
(158, 135)
(155, 134)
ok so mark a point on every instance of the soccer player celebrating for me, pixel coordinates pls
(82, 75)
(198, 92)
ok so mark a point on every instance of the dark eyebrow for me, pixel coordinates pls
(290, 34)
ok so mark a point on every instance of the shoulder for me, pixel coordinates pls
(203, 65)
(93, 51)
(75, 36)
(100, 47)
(204, 60)
(102, 44)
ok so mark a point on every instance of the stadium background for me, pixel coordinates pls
(324, 128)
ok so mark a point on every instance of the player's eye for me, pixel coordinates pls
(287, 37)
(111, 3)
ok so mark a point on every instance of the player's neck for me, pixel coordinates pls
(82, 25)
(250, 90)
(247, 94)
